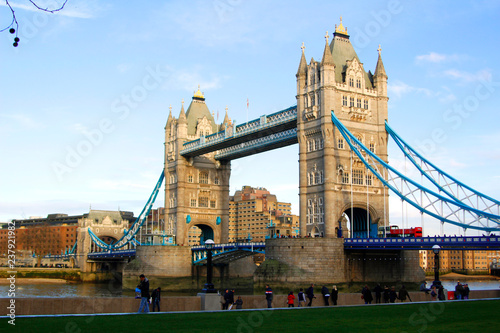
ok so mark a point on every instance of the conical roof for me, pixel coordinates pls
(343, 51)
(380, 70)
(197, 110)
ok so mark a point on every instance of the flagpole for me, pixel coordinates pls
(247, 109)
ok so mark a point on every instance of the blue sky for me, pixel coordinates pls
(99, 77)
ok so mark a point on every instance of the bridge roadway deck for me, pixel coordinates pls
(424, 243)
(224, 253)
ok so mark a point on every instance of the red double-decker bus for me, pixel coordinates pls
(394, 231)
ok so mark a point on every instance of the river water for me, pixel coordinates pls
(115, 290)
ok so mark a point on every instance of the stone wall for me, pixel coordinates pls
(323, 260)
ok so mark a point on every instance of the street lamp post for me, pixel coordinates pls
(436, 249)
(209, 286)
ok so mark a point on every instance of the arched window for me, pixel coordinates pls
(317, 178)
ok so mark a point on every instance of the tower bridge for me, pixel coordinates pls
(340, 123)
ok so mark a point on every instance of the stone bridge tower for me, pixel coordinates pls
(336, 190)
(196, 188)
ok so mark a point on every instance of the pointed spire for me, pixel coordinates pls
(303, 62)
(182, 116)
(380, 70)
(225, 122)
(327, 54)
(169, 119)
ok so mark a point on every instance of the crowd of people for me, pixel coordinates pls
(386, 295)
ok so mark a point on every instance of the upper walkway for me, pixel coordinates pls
(265, 133)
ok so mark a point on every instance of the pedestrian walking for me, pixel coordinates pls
(366, 295)
(387, 291)
(291, 299)
(403, 294)
(378, 293)
(335, 295)
(156, 298)
(310, 294)
(144, 287)
(269, 296)
(326, 295)
(302, 298)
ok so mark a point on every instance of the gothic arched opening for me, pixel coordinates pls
(359, 222)
(199, 233)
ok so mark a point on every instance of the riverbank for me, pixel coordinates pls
(95, 305)
(457, 276)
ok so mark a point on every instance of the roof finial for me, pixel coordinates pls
(182, 101)
(170, 107)
(340, 28)
(326, 36)
(303, 47)
(379, 49)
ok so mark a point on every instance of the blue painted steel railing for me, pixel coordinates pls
(199, 253)
(426, 201)
(112, 254)
(424, 243)
(444, 182)
(129, 235)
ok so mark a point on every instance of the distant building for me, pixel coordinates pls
(255, 214)
(57, 233)
(465, 261)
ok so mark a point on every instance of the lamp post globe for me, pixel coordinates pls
(209, 286)
(436, 248)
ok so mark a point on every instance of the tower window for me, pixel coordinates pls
(351, 82)
(344, 100)
(203, 202)
(357, 177)
(358, 83)
(190, 178)
(203, 177)
(340, 143)
(351, 101)
(366, 104)
(193, 203)
(216, 180)
(358, 103)
(372, 147)
(345, 177)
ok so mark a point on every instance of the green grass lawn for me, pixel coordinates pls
(456, 316)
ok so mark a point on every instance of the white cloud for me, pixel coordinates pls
(22, 120)
(434, 57)
(467, 77)
(189, 79)
(399, 88)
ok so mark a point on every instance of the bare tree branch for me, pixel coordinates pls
(14, 22)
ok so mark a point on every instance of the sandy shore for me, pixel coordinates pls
(456, 276)
(33, 281)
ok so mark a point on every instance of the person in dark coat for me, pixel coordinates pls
(231, 298)
(302, 298)
(335, 295)
(269, 296)
(466, 291)
(386, 294)
(441, 293)
(378, 292)
(226, 296)
(144, 287)
(156, 297)
(326, 295)
(403, 294)
(310, 294)
(367, 295)
(393, 295)
(239, 303)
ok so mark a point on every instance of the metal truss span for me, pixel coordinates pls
(273, 141)
(227, 252)
(426, 201)
(129, 235)
(264, 126)
(445, 183)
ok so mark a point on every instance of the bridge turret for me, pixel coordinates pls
(380, 77)
(182, 124)
(327, 65)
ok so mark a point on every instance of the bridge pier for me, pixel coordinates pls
(324, 261)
